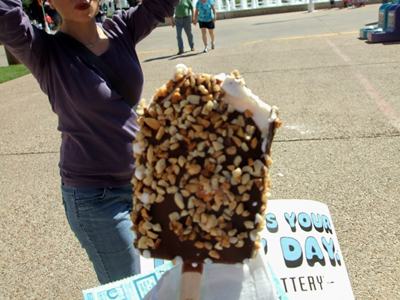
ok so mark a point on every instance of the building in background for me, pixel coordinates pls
(117, 5)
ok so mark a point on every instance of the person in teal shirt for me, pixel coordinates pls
(206, 16)
(183, 19)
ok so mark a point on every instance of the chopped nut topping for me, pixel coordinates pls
(174, 216)
(214, 254)
(152, 123)
(195, 149)
(179, 200)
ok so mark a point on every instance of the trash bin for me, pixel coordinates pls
(11, 58)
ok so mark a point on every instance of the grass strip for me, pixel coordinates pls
(12, 72)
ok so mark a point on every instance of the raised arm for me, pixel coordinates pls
(144, 18)
(25, 41)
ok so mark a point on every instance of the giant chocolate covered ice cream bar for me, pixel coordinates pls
(201, 181)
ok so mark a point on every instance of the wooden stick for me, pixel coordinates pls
(191, 281)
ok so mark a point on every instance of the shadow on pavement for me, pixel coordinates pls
(172, 57)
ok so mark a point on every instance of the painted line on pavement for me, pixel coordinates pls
(315, 35)
(300, 37)
(254, 42)
(387, 110)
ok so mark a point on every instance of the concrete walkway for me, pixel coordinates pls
(3, 57)
(339, 144)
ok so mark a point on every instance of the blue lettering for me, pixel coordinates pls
(265, 245)
(317, 221)
(327, 224)
(305, 222)
(313, 252)
(272, 224)
(330, 248)
(291, 221)
(158, 262)
(338, 259)
(292, 252)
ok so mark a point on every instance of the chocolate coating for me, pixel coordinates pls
(202, 193)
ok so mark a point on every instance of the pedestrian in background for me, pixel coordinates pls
(206, 16)
(360, 3)
(100, 14)
(183, 19)
(96, 122)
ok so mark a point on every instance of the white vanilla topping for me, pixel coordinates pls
(241, 97)
(180, 68)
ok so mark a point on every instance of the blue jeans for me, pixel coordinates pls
(100, 219)
(186, 24)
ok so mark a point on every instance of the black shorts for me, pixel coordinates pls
(209, 25)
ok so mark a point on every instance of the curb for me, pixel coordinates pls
(286, 8)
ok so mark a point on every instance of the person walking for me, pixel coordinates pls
(100, 14)
(97, 124)
(183, 19)
(206, 15)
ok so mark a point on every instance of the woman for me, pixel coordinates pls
(100, 13)
(97, 125)
(206, 15)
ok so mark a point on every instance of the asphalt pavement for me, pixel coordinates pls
(339, 144)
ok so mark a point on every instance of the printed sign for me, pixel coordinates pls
(302, 248)
(132, 288)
